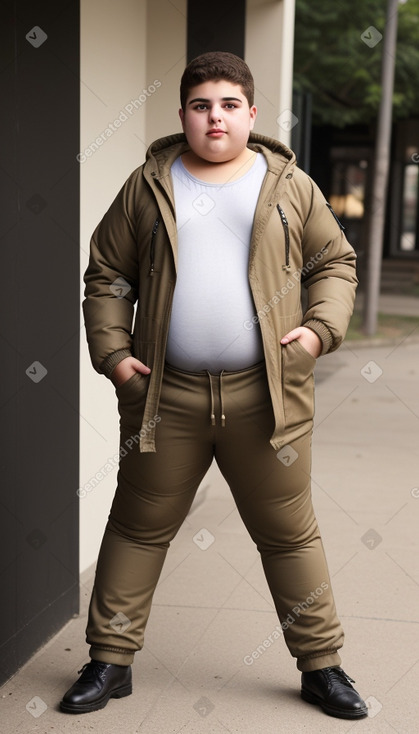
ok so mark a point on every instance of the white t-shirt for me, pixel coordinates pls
(212, 298)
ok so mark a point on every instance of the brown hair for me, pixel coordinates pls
(215, 66)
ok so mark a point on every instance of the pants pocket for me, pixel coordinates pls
(131, 399)
(297, 384)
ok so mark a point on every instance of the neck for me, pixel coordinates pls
(219, 171)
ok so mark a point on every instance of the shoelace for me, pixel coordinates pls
(89, 670)
(339, 675)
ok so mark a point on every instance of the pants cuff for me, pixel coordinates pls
(316, 662)
(110, 656)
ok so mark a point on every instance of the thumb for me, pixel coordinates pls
(291, 336)
(141, 367)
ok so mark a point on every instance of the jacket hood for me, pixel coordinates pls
(164, 151)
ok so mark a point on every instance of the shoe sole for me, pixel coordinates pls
(330, 710)
(85, 708)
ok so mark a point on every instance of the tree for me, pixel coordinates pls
(342, 71)
(339, 49)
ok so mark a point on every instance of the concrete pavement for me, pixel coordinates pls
(212, 608)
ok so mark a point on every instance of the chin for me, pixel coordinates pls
(219, 157)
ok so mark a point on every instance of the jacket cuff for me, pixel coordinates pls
(109, 364)
(322, 332)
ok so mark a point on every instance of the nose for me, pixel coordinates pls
(215, 113)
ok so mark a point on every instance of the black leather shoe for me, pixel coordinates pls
(97, 684)
(331, 689)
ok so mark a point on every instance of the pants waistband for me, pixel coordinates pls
(212, 378)
(256, 367)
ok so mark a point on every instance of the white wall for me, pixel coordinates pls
(121, 55)
(166, 58)
(269, 50)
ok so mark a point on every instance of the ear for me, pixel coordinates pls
(253, 112)
(182, 118)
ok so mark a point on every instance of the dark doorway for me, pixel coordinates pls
(216, 27)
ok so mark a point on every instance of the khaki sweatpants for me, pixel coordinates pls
(202, 416)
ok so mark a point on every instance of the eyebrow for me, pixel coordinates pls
(224, 99)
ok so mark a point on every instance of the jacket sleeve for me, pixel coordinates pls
(111, 282)
(328, 273)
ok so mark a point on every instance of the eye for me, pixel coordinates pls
(201, 106)
(230, 106)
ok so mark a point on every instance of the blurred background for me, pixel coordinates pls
(337, 84)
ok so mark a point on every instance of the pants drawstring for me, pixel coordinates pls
(212, 400)
(223, 418)
(212, 415)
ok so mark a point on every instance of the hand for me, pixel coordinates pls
(307, 338)
(126, 368)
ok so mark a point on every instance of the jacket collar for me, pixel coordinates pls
(163, 152)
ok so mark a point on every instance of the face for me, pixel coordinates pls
(217, 121)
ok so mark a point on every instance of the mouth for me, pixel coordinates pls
(215, 132)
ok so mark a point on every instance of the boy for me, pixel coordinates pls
(212, 236)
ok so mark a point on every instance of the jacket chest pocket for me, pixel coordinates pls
(297, 384)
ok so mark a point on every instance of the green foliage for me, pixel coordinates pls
(341, 71)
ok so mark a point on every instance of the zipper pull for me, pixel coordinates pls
(284, 220)
(153, 234)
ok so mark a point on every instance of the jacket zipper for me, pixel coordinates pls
(329, 206)
(153, 246)
(285, 225)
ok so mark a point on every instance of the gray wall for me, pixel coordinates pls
(39, 327)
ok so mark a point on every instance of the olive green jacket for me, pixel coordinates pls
(296, 240)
